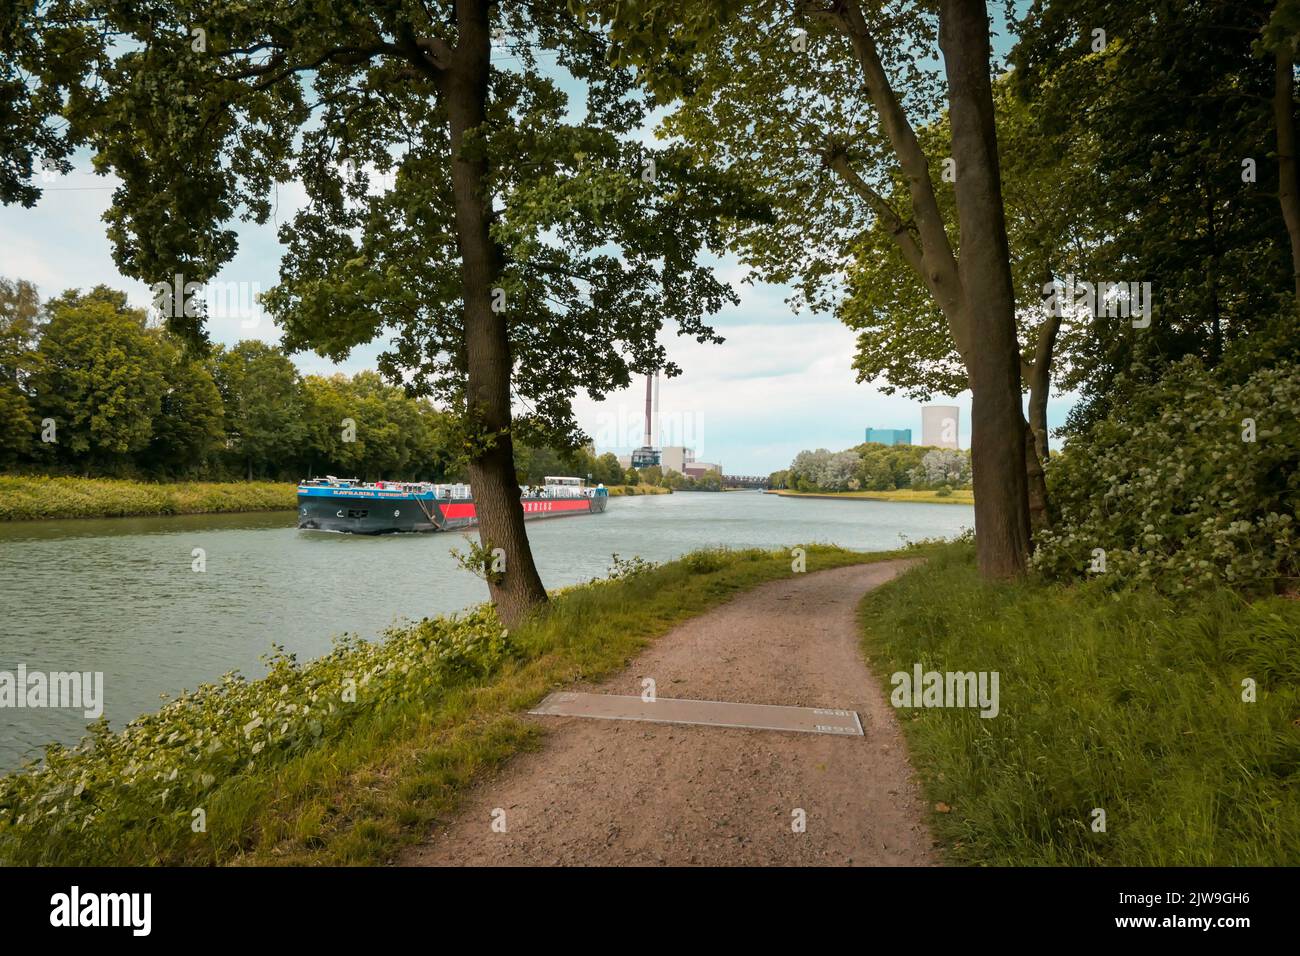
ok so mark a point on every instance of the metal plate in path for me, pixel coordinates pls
(712, 713)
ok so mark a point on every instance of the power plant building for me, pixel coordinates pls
(889, 436)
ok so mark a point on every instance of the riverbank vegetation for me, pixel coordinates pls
(654, 475)
(28, 498)
(344, 758)
(875, 467)
(1177, 718)
(623, 491)
(31, 497)
(942, 496)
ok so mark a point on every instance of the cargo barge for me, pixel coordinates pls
(383, 507)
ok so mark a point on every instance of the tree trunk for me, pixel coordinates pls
(998, 429)
(517, 589)
(1039, 517)
(1288, 191)
(1038, 380)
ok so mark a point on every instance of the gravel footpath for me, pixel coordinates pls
(608, 792)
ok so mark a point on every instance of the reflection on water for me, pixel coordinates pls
(119, 595)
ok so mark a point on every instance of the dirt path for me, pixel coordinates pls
(622, 792)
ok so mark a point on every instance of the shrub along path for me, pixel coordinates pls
(621, 792)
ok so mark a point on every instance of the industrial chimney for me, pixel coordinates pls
(648, 413)
(647, 454)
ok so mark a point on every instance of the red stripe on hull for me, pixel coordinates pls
(533, 508)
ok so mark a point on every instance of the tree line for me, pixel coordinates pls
(89, 386)
(872, 466)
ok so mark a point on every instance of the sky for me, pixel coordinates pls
(780, 383)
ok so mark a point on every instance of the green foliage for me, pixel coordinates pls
(594, 256)
(26, 498)
(622, 568)
(190, 753)
(482, 561)
(1165, 191)
(1129, 702)
(875, 467)
(128, 399)
(366, 428)
(190, 428)
(45, 46)
(20, 318)
(707, 560)
(100, 376)
(264, 411)
(1173, 493)
(903, 339)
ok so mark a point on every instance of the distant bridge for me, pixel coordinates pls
(744, 481)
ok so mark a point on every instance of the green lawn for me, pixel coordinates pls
(1127, 703)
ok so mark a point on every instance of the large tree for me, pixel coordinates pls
(1187, 186)
(262, 396)
(188, 432)
(507, 244)
(819, 103)
(100, 376)
(1053, 233)
(21, 316)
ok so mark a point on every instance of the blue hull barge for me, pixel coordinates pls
(383, 507)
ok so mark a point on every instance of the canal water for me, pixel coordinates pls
(120, 595)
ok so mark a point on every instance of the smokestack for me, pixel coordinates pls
(658, 437)
(647, 411)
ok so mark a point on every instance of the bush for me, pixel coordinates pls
(1192, 484)
(151, 776)
(706, 561)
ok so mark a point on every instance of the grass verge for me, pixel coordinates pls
(959, 496)
(346, 758)
(24, 498)
(1127, 703)
(621, 491)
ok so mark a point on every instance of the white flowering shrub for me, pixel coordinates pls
(1195, 483)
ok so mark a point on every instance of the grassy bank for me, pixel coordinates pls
(959, 496)
(616, 491)
(1130, 704)
(24, 498)
(345, 758)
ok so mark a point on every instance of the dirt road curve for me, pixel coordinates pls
(620, 792)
